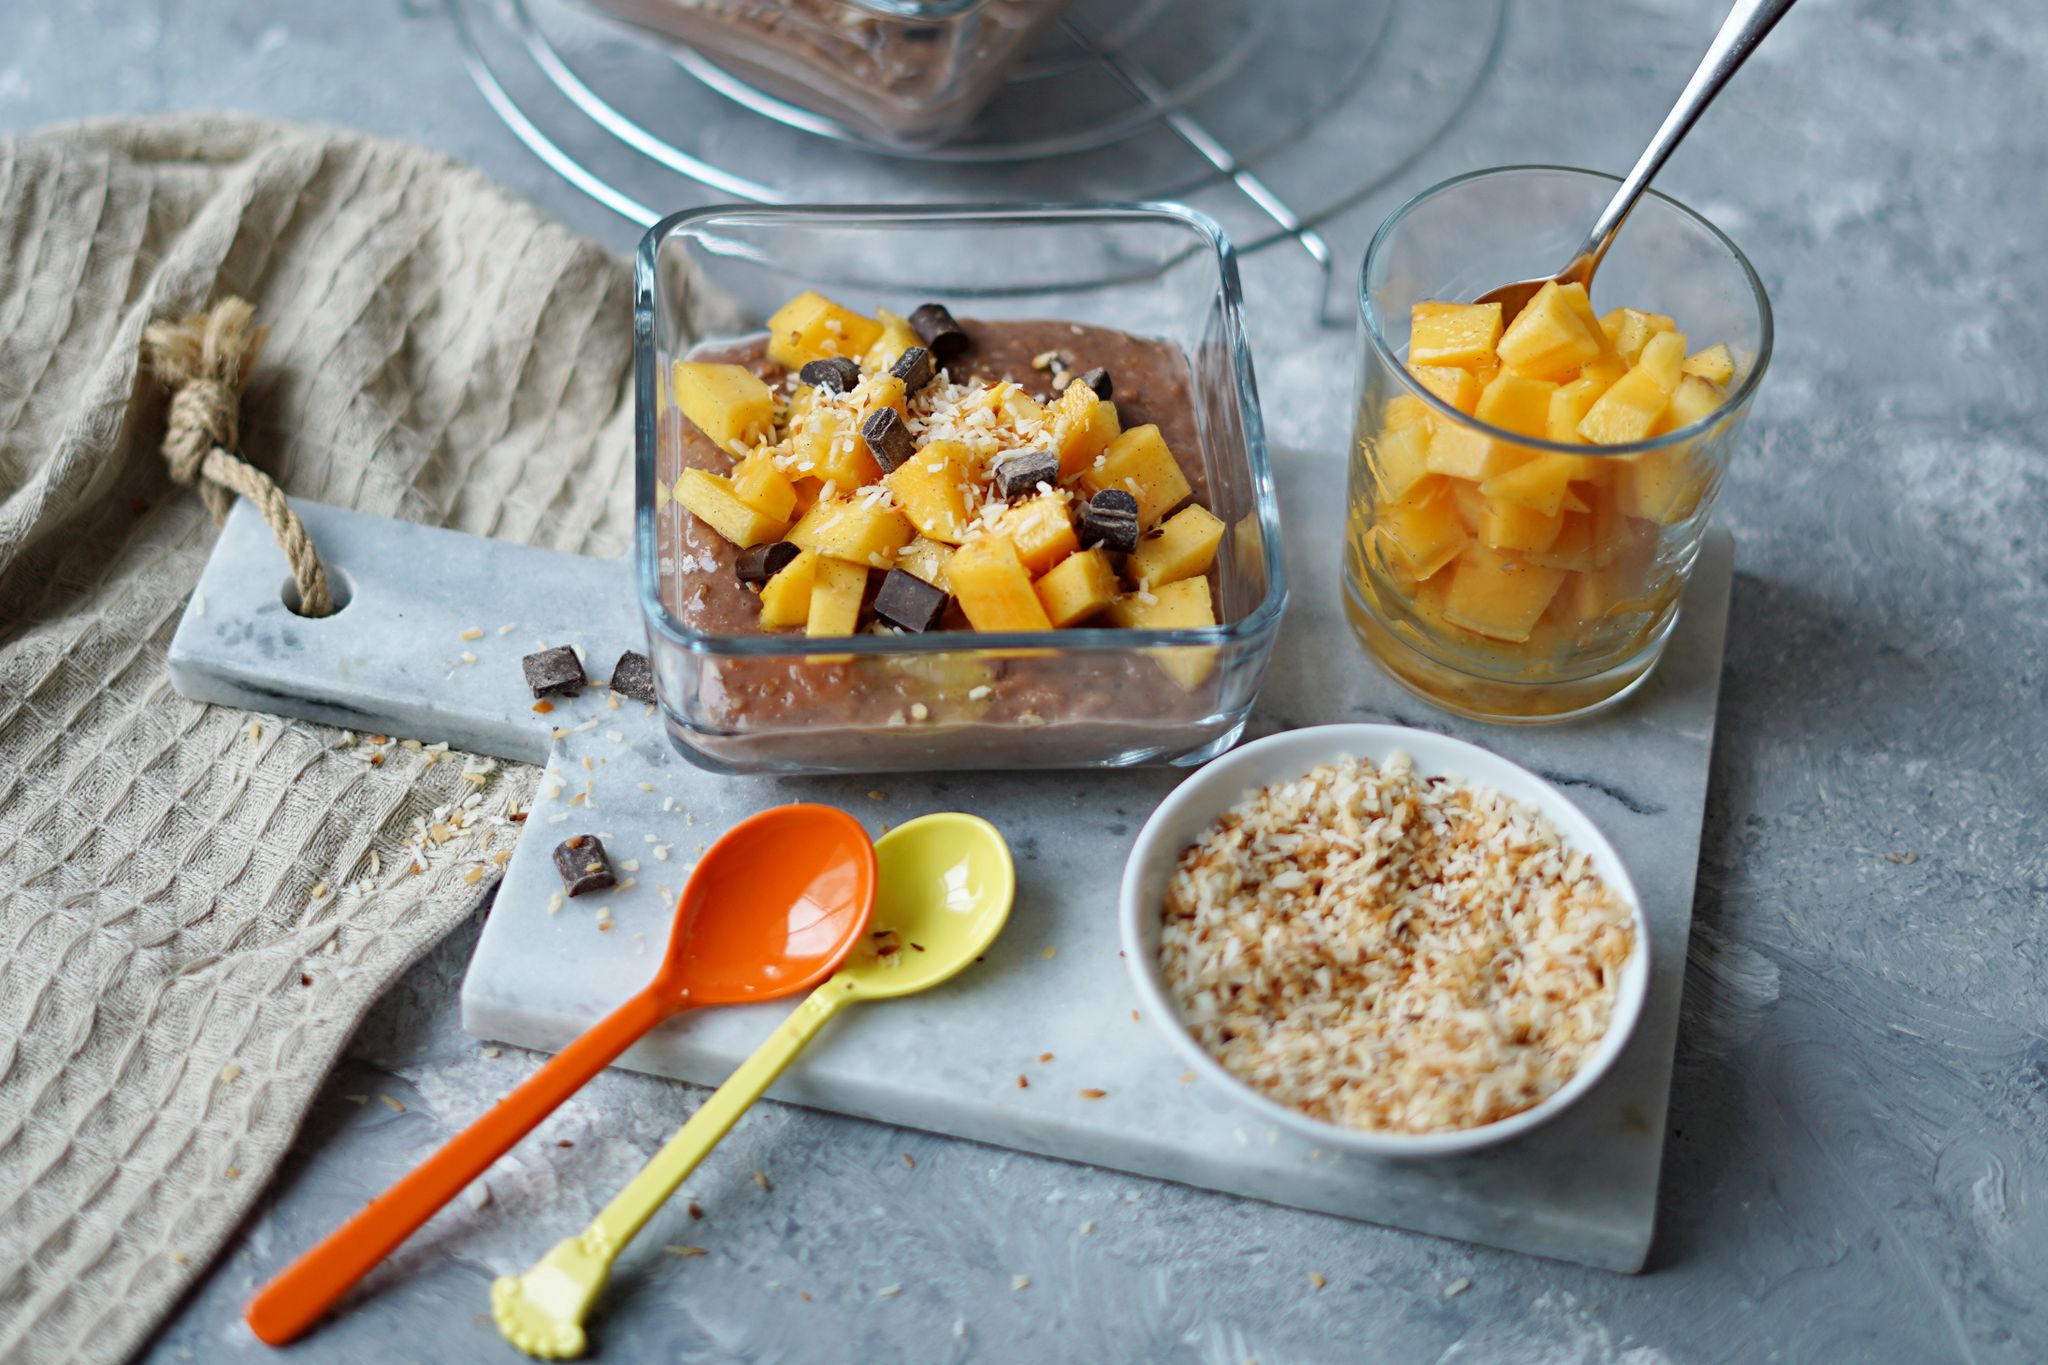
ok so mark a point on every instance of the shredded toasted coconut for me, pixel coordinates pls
(1393, 953)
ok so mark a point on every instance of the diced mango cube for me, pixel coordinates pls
(812, 327)
(931, 489)
(897, 336)
(826, 445)
(1404, 410)
(1460, 334)
(1553, 335)
(786, 598)
(1694, 400)
(1461, 452)
(1715, 364)
(1516, 403)
(1078, 587)
(1628, 330)
(1629, 410)
(728, 403)
(1543, 483)
(1182, 546)
(1568, 407)
(1498, 594)
(1177, 606)
(1604, 371)
(856, 529)
(1400, 458)
(1459, 388)
(1664, 356)
(836, 592)
(1083, 426)
(1572, 549)
(994, 588)
(1041, 531)
(1425, 530)
(1663, 486)
(927, 558)
(760, 485)
(711, 497)
(1140, 463)
(1508, 525)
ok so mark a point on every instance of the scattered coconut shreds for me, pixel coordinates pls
(1020, 1282)
(396, 1106)
(478, 1194)
(468, 657)
(888, 1291)
(959, 1327)
(494, 1052)
(555, 903)
(473, 633)
(1392, 953)
(507, 628)
(230, 1072)
(1088, 1227)
(1456, 1287)
(646, 786)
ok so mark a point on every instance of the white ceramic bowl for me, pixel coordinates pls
(1196, 804)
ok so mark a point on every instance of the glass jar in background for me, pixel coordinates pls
(1505, 576)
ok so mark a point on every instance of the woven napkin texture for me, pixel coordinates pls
(197, 905)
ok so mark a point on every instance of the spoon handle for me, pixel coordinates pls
(295, 1299)
(1740, 33)
(621, 1220)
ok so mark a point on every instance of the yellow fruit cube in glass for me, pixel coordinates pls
(1510, 526)
(1140, 463)
(1663, 486)
(836, 592)
(1182, 546)
(1459, 388)
(1078, 587)
(1629, 410)
(827, 446)
(1083, 426)
(760, 485)
(1628, 330)
(1664, 356)
(930, 489)
(856, 529)
(1426, 531)
(1573, 547)
(1498, 594)
(1569, 405)
(897, 337)
(1461, 334)
(927, 558)
(1461, 452)
(1553, 335)
(993, 587)
(1715, 364)
(1516, 403)
(1400, 458)
(812, 327)
(1404, 410)
(1542, 484)
(728, 403)
(1694, 400)
(786, 598)
(1177, 606)
(711, 497)
(1604, 371)
(1041, 530)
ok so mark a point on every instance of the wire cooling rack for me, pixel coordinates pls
(1272, 116)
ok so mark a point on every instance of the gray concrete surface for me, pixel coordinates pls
(1860, 1125)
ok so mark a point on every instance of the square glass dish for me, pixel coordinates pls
(736, 699)
(904, 73)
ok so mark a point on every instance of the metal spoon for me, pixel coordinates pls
(1740, 33)
(774, 907)
(947, 882)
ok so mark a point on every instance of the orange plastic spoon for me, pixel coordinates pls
(772, 910)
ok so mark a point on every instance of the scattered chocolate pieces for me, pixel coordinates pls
(887, 438)
(581, 861)
(834, 374)
(914, 368)
(1111, 518)
(633, 676)
(1019, 473)
(937, 329)
(908, 602)
(1098, 380)
(553, 670)
(759, 563)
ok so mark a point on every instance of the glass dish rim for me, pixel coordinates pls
(917, 11)
(1766, 326)
(1263, 620)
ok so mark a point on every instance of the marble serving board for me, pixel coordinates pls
(1583, 1189)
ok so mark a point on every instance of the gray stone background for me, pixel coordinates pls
(1860, 1118)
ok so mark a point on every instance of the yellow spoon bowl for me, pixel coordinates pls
(945, 886)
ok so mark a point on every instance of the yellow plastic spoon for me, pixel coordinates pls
(946, 882)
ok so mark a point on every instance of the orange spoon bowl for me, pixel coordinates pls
(772, 909)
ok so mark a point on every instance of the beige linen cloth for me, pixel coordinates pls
(197, 905)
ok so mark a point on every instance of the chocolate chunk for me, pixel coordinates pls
(834, 374)
(936, 328)
(633, 676)
(553, 670)
(581, 861)
(909, 602)
(1019, 473)
(914, 368)
(887, 438)
(1111, 518)
(1098, 380)
(759, 563)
